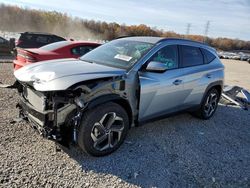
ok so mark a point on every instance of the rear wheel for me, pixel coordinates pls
(209, 105)
(103, 129)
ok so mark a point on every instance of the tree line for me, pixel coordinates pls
(16, 19)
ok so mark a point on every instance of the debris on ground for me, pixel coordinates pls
(237, 96)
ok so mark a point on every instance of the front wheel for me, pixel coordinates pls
(103, 129)
(209, 105)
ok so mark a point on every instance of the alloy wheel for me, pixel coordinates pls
(106, 133)
(211, 104)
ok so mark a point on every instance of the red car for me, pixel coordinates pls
(57, 50)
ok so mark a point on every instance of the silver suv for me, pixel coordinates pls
(93, 101)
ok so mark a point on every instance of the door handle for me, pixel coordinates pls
(209, 75)
(177, 82)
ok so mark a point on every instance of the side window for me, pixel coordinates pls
(190, 56)
(27, 37)
(42, 39)
(168, 55)
(208, 56)
(81, 50)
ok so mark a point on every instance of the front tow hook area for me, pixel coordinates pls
(21, 116)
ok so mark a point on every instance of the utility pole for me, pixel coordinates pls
(206, 31)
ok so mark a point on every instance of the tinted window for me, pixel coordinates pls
(191, 56)
(56, 39)
(26, 37)
(56, 45)
(42, 39)
(208, 56)
(168, 56)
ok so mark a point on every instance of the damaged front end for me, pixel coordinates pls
(56, 115)
(48, 112)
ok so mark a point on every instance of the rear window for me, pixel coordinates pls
(26, 37)
(54, 46)
(57, 39)
(81, 50)
(191, 56)
(209, 57)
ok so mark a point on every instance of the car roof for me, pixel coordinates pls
(84, 42)
(152, 40)
(39, 33)
(155, 40)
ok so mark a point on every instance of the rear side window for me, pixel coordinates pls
(190, 56)
(208, 56)
(42, 39)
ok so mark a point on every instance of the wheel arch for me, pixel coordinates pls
(218, 85)
(116, 99)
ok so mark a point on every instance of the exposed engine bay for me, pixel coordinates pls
(57, 114)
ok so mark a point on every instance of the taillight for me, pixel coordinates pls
(30, 59)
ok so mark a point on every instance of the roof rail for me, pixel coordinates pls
(181, 39)
(123, 36)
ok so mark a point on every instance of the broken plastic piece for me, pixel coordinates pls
(231, 93)
(16, 120)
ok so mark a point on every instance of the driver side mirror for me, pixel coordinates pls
(154, 66)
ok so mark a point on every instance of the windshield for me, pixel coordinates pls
(118, 53)
(55, 45)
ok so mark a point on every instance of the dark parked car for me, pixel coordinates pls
(5, 48)
(36, 40)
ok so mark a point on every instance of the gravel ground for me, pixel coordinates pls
(179, 151)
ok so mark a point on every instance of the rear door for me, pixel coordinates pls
(196, 75)
(161, 93)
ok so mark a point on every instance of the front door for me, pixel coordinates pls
(161, 92)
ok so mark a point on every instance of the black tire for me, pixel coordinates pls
(91, 128)
(202, 111)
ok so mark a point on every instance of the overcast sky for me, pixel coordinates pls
(228, 18)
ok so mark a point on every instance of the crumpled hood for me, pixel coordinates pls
(63, 73)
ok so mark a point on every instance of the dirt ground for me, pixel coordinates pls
(179, 151)
(237, 73)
